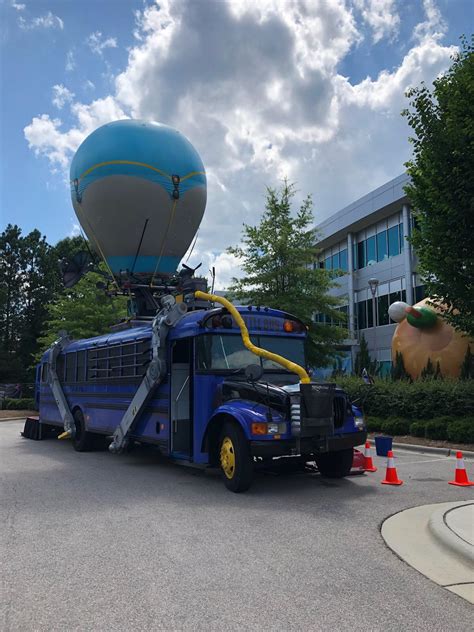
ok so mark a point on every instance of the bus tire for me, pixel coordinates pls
(335, 464)
(235, 460)
(82, 441)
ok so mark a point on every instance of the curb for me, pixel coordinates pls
(13, 419)
(439, 529)
(413, 447)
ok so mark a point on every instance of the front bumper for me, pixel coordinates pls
(307, 445)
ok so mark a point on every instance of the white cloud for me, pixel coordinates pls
(61, 96)
(18, 7)
(381, 16)
(70, 61)
(75, 229)
(98, 44)
(89, 85)
(257, 90)
(46, 21)
(434, 27)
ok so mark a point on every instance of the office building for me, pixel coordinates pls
(367, 240)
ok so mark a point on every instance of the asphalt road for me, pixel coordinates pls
(94, 541)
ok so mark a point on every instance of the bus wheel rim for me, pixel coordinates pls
(227, 457)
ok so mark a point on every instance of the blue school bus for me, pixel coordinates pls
(232, 392)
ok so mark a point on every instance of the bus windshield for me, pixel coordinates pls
(216, 352)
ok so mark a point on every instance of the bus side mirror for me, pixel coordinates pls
(253, 372)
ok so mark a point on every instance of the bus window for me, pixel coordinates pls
(128, 360)
(70, 367)
(114, 361)
(102, 363)
(217, 353)
(44, 372)
(143, 356)
(60, 367)
(81, 366)
(289, 348)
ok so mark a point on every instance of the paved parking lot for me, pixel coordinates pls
(98, 542)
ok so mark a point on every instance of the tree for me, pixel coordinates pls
(363, 359)
(442, 186)
(28, 281)
(398, 369)
(467, 366)
(82, 311)
(278, 258)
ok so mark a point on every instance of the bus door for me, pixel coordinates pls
(181, 414)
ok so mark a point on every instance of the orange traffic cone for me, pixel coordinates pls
(368, 463)
(460, 476)
(391, 476)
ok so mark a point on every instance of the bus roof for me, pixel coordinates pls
(258, 320)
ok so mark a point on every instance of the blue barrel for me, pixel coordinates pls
(383, 445)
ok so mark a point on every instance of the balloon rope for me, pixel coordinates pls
(99, 248)
(164, 240)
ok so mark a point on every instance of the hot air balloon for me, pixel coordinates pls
(422, 334)
(139, 192)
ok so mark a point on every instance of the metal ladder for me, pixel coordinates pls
(58, 393)
(166, 318)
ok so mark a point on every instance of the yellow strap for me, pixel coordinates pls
(137, 164)
(65, 435)
(290, 366)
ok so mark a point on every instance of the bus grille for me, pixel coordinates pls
(339, 406)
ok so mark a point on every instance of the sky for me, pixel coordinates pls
(264, 89)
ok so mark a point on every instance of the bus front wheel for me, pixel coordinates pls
(235, 461)
(82, 440)
(335, 464)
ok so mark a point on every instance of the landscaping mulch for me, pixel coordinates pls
(17, 414)
(428, 442)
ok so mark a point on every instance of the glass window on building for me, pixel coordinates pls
(393, 297)
(382, 249)
(393, 245)
(361, 255)
(371, 251)
(343, 260)
(401, 238)
(382, 306)
(370, 313)
(327, 263)
(420, 293)
(362, 315)
(335, 261)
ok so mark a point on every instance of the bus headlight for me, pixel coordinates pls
(269, 428)
(359, 423)
(274, 428)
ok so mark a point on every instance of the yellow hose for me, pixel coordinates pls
(290, 366)
(65, 435)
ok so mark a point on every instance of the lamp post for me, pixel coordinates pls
(373, 285)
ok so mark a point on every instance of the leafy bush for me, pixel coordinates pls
(418, 400)
(417, 429)
(23, 403)
(461, 431)
(395, 426)
(436, 429)
(373, 424)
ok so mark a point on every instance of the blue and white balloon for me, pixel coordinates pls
(139, 187)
